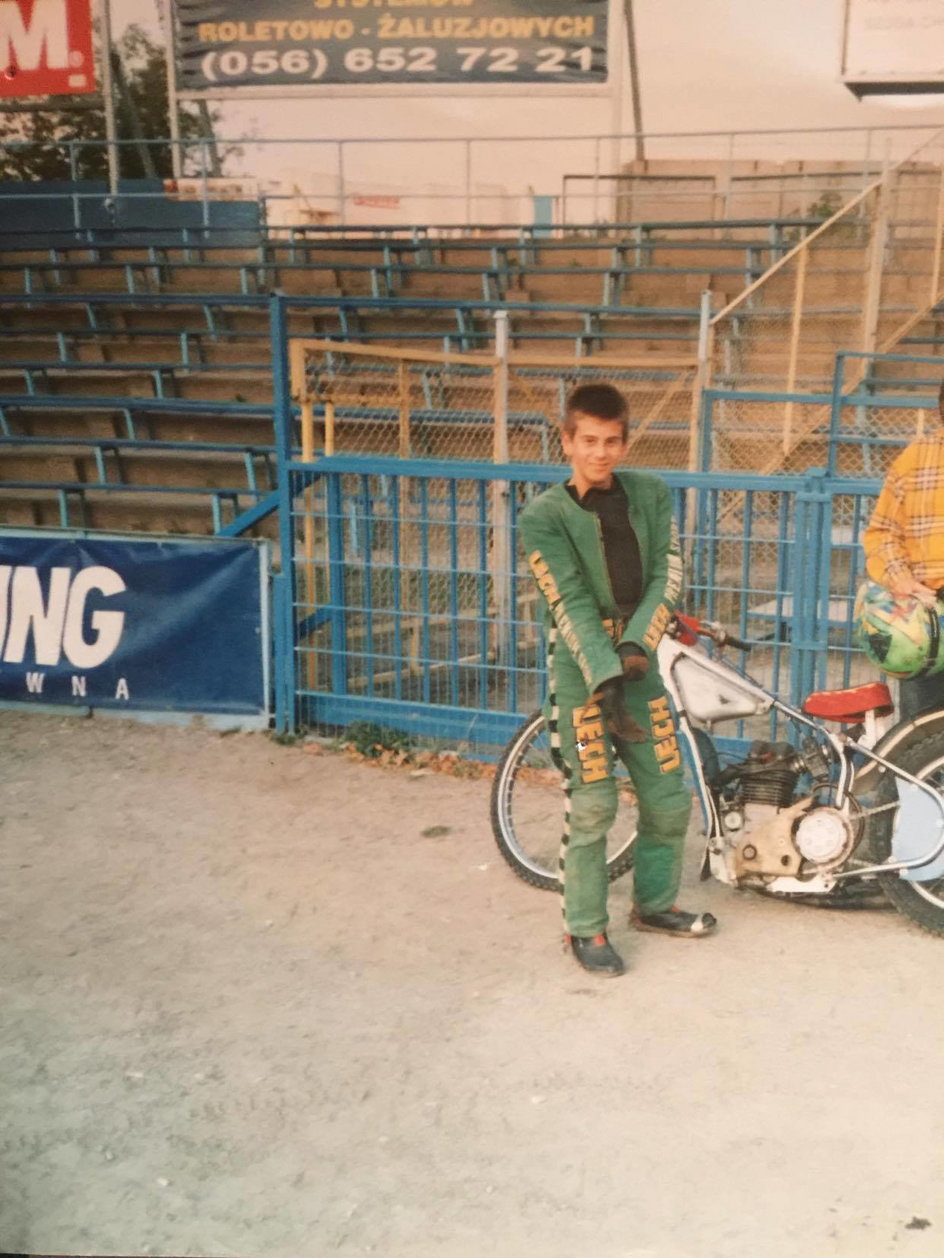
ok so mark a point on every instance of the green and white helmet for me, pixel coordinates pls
(900, 636)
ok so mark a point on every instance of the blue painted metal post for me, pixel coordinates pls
(835, 415)
(283, 421)
(824, 541)
(800, 601)
(337, 583)
(746, 558)
(810, 627)
(367, 593)
(512, 663)
(710, 564)
(425, 637)
(279, 651)
(454, 609)
(483, 580)
(396, 573)
(781, 580)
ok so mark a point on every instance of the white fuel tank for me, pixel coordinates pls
(706, 697)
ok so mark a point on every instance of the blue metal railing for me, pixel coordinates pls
(412, 608)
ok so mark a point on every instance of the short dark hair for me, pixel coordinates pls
(600, 401)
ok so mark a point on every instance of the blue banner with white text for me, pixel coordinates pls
(126, 623)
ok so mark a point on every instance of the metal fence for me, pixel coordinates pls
(860, 282)
(424, 404)
(508, 179)
(408, 603)
(500, 406)
(875, 404)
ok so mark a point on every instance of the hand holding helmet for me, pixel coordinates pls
(900, 633)
(906, 586)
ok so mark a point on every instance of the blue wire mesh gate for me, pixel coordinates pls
(403, 599)
(408, 602)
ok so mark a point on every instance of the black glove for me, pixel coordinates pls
(613, 710)
(634, 660)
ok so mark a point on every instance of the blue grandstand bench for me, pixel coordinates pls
(527, 234)
(386, 273)
(885, 385)
(132, 412)
(157, 276)
(74, 495)
(419, 233)
(108, 453)
(386, 280)
(163, 376)
(190, 343)
(589, 319)
(36, 275)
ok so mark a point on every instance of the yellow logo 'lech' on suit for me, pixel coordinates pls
(665, 744)
(657, 626)
(591, 749)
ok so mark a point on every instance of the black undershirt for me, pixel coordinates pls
(620, 544)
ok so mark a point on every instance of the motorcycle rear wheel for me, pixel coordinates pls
(921, 902)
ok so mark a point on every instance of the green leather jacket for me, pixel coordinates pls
(564, 546)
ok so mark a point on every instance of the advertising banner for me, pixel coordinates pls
(46, 48)
(225, 44)
(128, 623)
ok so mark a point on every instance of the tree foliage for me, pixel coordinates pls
(139, 68)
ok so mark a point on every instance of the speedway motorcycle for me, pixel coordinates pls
(851, 809)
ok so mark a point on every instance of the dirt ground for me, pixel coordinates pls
(251, 1009)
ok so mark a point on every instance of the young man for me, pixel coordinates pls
(904, 542)
(604, 552)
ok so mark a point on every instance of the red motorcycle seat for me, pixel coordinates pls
(850, 705)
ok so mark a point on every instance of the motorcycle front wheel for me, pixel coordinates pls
(527, 810)
(922, 902)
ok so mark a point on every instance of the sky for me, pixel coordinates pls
(705, 65)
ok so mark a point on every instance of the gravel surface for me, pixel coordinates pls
(251, 1008)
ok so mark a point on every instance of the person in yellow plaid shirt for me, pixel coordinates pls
(904, 542)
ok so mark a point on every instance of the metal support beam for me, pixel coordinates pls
(108, 92)
(173, 104)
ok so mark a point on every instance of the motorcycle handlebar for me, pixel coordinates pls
(710, 629)
(738, 643)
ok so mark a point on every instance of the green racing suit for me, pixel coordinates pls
(584, 629)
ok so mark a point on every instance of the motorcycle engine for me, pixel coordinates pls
(769, 831)
(769, 774)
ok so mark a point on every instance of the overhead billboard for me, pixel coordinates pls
(249, 45)
(893, 46)
(46, 48)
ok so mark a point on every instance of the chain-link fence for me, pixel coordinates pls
(860, 282)
(742, 432)
(881, 402)
(853, 432)
(424, 404)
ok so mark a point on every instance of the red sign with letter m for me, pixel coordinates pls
(46, 48)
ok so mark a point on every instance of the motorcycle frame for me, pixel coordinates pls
(671, 650)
